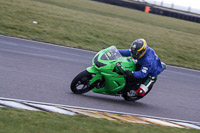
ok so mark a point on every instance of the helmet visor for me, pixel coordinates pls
(136, 54)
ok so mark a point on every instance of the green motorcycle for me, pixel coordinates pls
(106, 76)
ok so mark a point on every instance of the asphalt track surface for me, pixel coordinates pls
(42, 72)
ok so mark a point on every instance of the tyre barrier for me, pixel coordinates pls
(97, 113)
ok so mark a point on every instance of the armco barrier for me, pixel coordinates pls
(154, 9)
(175, 14)
(96, 113)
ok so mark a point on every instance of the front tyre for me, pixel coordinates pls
(80, 84)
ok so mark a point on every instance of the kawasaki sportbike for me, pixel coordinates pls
(106, 76)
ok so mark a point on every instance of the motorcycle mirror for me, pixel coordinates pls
(103, 47)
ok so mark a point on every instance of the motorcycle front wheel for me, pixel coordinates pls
(80, 84)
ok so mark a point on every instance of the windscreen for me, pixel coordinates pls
(111, 54)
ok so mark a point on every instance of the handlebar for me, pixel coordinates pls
(119, 67)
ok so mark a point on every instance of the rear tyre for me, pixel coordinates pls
(80, 84)
(131, 98)
(134, 98)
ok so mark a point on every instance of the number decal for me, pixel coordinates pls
(144, 69)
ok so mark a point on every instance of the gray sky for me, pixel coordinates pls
(184, 3)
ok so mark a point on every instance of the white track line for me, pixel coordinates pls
(124, 113)
(46, 43)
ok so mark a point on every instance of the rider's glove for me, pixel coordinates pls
(129, 74)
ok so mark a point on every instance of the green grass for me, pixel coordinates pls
(92, 25)
(22, 121)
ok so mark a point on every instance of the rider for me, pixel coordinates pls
(149, 65)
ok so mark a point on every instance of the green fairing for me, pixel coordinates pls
(104, 63)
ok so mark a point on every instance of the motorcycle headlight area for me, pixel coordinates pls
(97, 63)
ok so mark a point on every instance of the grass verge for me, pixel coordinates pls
(22, 121)
(91, 25)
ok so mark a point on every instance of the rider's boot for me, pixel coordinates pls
(141, 91)
(144, 88)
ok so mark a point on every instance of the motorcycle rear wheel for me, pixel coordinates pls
(128, 98)
(80, 84)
